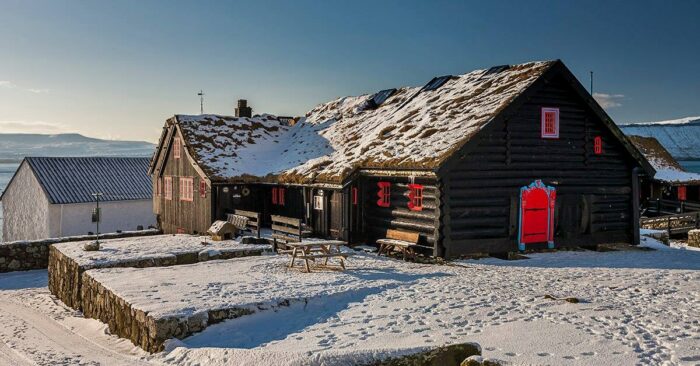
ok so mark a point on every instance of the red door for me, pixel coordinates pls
(536, 215)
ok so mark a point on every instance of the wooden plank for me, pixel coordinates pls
(402, 235)
(286, 237)
(286, 220)
(286, 229)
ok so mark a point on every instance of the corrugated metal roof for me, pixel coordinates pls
(74, 180)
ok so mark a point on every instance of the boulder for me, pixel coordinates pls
(91, 246)
(452, 355)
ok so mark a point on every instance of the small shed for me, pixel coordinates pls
(52, 197)
(670, 189)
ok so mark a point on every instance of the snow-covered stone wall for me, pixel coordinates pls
(26, 255)
(67, 262)
(25, 208)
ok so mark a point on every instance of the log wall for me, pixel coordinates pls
(594, 192)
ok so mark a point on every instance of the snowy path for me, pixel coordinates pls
(36, 330)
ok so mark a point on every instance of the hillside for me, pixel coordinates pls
(680, 137)
(14, 147)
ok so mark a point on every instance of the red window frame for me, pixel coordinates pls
(280, 195)
(176, 148)
(598, 145)
(682, 193)
(186, 189)
(415, 197)
(202, 188)
(354, 196)
(168, 182)
(274, 195)
(550, 123)
(384, 194)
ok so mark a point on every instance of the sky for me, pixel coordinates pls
(118, 69)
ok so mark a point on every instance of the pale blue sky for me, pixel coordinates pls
(118, 69)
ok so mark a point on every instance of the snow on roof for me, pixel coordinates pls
(666, 167)
(679, 137)
(413, 128)
(74, 179)
(680, 121)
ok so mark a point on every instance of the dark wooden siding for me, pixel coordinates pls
(594, 192)
(376, 219)
(175, 214)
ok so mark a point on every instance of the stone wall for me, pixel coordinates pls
(65, 274)
(143, 330)
(23, 256)
(694, 238)
(27, 255)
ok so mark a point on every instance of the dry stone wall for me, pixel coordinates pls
(694, 238)
(65, 274)
(143, 330)
(34, 254)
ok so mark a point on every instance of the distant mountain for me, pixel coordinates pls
(15, 146)
(681, 137)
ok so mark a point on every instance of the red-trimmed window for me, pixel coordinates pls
(550, 123)
(384, 194)
(176, 148)
(354, 196)
(280, 196)
(202, 188)
(415, 197)
(598, 145)
(274, 195)
(187, 189)
(682, 193)
(168, 182)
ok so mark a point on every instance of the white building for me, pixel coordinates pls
(53, 197)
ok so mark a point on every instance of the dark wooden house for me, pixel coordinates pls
(513, 157)
(670, 189)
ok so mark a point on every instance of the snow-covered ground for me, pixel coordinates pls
(637, 307)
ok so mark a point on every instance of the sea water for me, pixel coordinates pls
(691, 166)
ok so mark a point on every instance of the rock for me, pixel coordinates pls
(452, 355)
(14, 264)
(480, 361)
(91, 246)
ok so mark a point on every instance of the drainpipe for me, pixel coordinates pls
(635, 205)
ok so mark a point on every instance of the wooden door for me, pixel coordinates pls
(536, 214)
(320, 212)
(336, 214)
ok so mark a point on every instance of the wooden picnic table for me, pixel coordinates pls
(316, 249)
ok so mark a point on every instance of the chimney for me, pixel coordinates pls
(243, 110)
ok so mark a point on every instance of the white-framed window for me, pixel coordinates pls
(550, 123)
(176, 148)
(186, 189)
(168, 183)
(318, 203)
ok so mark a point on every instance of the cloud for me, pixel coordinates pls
(7, 84)
(10, 85)
(609, 100)
(31, 127)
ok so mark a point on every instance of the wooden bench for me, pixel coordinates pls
(287, 230)
(252, 224)
(396, 240)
